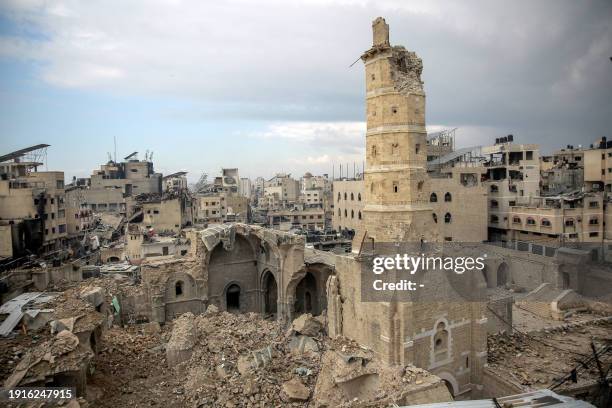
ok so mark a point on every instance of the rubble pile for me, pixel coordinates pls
(539, 359)
(244, 360)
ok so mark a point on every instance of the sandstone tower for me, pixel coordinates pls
(396, 187)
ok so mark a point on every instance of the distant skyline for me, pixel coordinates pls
(267, 86)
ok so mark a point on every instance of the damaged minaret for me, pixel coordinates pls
(396, 189)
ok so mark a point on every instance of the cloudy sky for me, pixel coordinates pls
(267, 86)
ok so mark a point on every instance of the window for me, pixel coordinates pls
(394, 110)
(345, 213)
(494, 219)
(440, 342)
(433, 198)
(529, 155)
(178, 288)
(448, 197)
(594, 221)
(435, 217)
(447, 218)
(417, 148)
(569, 222)
(359, 214)
(339, 196)
(516, 220)
(352, 214)
(345, 196)
(374, 151)
(530, 221)
(593, 234)
(545, 222)
(352, 197)
(358, 196)
(494, 189)
(395, 187)
(339, 212)
(594, 204)
(494, 204)
(420, 185)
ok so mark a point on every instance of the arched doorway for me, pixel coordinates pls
(449, 386)
(232, 298)
(270, 293)
(502, 274)
(306, 299)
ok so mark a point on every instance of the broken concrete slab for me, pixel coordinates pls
(183, 339)
(307, 325)
(294, 390)
(299, 345)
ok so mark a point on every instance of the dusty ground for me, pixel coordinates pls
(131, 371)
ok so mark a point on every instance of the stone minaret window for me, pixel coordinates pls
(441, 341)
(395, 187)
(395, 149)
(374, 151)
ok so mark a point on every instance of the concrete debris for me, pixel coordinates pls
(294, 390)
(307, 325)
(303, 345)
(180, 346)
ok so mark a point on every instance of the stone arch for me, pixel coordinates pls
(450, 381)
(308, 290)
(503, 274)
(233, 297)
(113, 259)
(181, 295)
(236, 265)
(433, 198)
(440, 341)
(270, 292)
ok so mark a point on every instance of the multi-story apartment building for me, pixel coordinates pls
(246, 187)
(557, 220)
(280, 191)
(512, 175)
(348, 205)
(167, 213)
(175, 181)
(224, 201)
(299, 217)
(79, 217)
(114, 186)
(598, 166)
(32, 203)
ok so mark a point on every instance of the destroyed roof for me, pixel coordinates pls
(539, 398)
(177, 174)
(19, 153)
(475, 150)
(16, 308)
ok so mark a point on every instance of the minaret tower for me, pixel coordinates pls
(396, 182)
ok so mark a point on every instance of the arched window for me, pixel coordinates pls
(352, 214)
(435, 217)
(345, 213)
(448, 198)
(344, 196)
(352, 197)
(447, 218)
(433, 198)
(545, 222)
(339, 196)
(358, 196)
(395, 187)
(339, 212)
(494, 219)
(359, 214)
(178, 288)
(441, 342)
(516, 220)
(530, 221)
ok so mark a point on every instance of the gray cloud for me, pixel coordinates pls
(539, 70)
